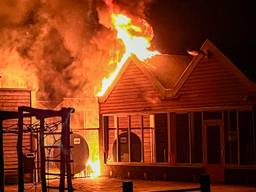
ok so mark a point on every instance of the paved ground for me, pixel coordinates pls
(104, 184)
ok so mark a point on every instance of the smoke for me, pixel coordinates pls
(138, 8)
(14, 12)
(59, 48)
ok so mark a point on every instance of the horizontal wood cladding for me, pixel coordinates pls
(123, 122)
(213, 82)
(10, 100)
(111, 122)
(134, 90)
(148, 146)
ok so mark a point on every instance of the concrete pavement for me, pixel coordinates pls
(105, 184)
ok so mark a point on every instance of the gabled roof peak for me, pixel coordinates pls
(169, 72)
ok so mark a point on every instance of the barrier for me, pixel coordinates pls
(204, 186)
(127, 186)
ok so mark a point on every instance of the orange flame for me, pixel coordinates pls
(93, 168)
(135, 43)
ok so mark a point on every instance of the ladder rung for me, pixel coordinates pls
(52, 187)
(57, 174)
(55, 133)
(57, 160)
(55, 187)
(55, 146)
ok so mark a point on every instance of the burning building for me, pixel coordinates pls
(155, 111)
(51, 49)
(60, 51)
(10, 99)
(176, 117)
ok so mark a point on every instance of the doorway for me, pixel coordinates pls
(214, 150)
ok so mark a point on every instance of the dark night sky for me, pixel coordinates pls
(185, 24)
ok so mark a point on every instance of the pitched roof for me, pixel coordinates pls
(207, 49)
(169, 72)
(167, 69)
(163, 70)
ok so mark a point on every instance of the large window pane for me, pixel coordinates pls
(106, 136)
(196, 138)
(161, 131)
(247, 138)
(213, 144)
(182, 138)
(231, 139)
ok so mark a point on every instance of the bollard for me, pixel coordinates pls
(127, 186)
(205, 183)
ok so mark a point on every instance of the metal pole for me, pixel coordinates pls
(20, 152)
(142, 138)
(1, 157)
(62, 155)
(42, 156)
(68, 150)
(117, 139)
(129, 138)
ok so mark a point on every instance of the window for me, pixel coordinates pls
(122, 138)
(106, 136)
(247, 137)
(123, 148)
(213, 144)
(196, 138)
(188, 129)
(239, 137)
(182, 138)
(231, 137)
(161, 134)
(109, 131)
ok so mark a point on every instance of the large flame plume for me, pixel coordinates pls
(64, 48)
(136, 40)
(53, 47)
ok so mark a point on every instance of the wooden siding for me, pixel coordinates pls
(123, 122)
(133, 92)
(10, 100)
(214, 82)
(148, 145)
(111, 122)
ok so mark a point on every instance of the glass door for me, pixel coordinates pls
(213, 151)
